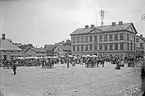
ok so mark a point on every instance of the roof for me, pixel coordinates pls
(65, 48)
(49, 47)
(6, 45)
(7, 40)
(143, 38)
(26, 46)
(107, 28)
(39, 49)
(82, 31)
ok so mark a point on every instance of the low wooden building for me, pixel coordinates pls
(35, 52)
(8, 50)
(62, 50)
(50, 49)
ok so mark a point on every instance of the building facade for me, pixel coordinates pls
(140, 45)
(35, 52)
(50, 49)
(62, 50)
(115, 39)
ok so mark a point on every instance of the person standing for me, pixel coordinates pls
(14, 67)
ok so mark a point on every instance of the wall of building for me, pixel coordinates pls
(10, 54)
(80, 40)
(140, 46)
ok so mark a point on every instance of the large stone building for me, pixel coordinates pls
(115, 39)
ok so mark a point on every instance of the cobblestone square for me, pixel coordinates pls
(74, 81)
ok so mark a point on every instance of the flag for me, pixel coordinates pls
(102, 14)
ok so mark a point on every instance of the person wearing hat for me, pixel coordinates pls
(14, 66)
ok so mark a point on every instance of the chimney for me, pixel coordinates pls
(3, 36)
(140, 35)
(120, 22)
(92, 26)
(113, 23)
(86, 26)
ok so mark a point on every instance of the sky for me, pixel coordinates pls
(41, 22)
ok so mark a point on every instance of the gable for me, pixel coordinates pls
(131, 28)
(58, 49)
(30, 52)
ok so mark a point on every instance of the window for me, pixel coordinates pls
(95, 47)
(82, 39)
(100, 46)
(105, 37)
(121, 46)
(131, 46)
(121, 36)
(82, 48)
(116, 46)
(86, 48)
(78, 48)
(100, 37)
(141, 45)
(134, 38)
(127, 37)
(95, 38)
(116, 37)
(73, 47)
(90, 46)
(134, 46)
(111, 46)
(90, 38)
(137, 39)
(127, 46)
(73, 39)
(78, 39)
(110, 37)
(106, 47)
(86, 39)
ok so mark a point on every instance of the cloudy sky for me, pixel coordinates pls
(43, 22)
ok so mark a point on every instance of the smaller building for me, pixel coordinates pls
(140, 45)
(50, 49)
(8, 50)
(62, 50)
(24, 48)
(35, 52)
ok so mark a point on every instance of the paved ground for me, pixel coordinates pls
(73, 81)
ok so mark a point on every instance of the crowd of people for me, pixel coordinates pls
(87, 60)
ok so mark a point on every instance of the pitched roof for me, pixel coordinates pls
(49, 47)
(26, 46)
(65, 48)
(143, 38)
(6, 45)
(39, 49)
(7, 40)
(106, 28)
(82, 31)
